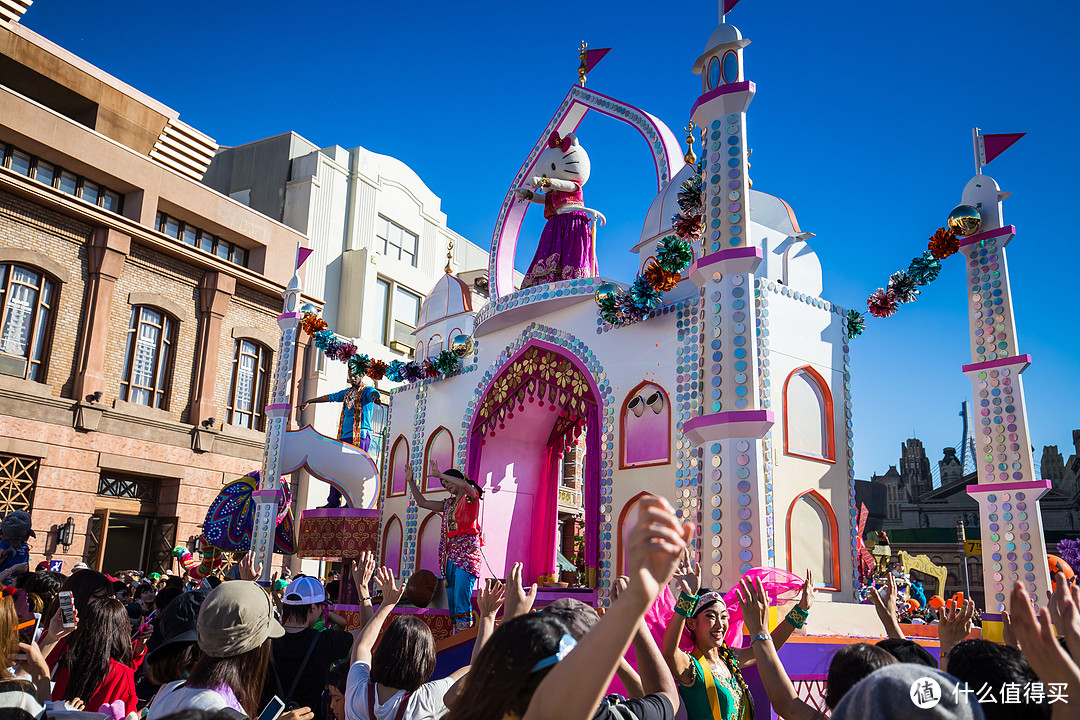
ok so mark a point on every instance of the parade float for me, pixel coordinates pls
(719, 378)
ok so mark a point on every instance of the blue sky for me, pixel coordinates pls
(862, 122)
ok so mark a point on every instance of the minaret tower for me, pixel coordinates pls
(1008, 492)
(278, 408)
(736, 492)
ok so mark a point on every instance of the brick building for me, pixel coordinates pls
(137, 313)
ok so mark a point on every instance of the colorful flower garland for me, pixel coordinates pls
(674, 254)
(903, 286)
(336, 348)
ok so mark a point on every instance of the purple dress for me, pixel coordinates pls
(565, 250)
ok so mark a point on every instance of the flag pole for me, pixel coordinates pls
(975, 143)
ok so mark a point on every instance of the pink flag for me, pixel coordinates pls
(991, 146)
(302, 255)
(729, 5)
(594, 56)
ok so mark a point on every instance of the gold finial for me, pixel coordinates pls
(582, 54)
(748, 178)
(449, 257)
(690, 157)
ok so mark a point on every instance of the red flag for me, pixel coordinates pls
(594, 56)
(729, 5)
(990, 146)
(302, 255)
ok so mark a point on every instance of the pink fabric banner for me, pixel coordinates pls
(594, 56)
(994, 145)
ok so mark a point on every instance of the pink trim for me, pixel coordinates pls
(978, 237)
(1002, 487)
(339, 512)
(734, 260)
(290, 316)
(266, 493)
(278, 406)
(731, 254)
(1024, 360)
(729, 89)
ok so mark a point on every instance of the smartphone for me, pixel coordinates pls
(273, 709)
(67, 609)
(28, 633)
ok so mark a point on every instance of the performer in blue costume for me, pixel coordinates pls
(15, 529)
(353, 427)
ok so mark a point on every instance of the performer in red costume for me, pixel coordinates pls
(459, 546)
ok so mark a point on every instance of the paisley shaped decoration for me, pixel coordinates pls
(229, 518)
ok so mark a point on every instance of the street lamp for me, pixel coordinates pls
(66, 534)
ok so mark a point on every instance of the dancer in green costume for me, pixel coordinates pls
(710, 680)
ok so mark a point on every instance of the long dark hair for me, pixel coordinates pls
(84, 585)
(244, 673)
(461, 476)
(405, 657)
(103, 634)
(501, 680)
(171, 662)
(9, 634)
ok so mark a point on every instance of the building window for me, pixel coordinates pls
(395, 312)
(131, 488)
(66, 182)
(808, 416)
(202, 240)
(148, 358)
(815, 544)
(395, 241)
(250, 380)
(18, 479)
(27, 300)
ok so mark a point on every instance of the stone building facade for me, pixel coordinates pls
(137, 314)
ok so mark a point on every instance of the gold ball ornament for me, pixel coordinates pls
(965, 221)
(462, 346)
(607, 290)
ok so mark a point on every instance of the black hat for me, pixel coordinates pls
(908, 651)
(178, 620)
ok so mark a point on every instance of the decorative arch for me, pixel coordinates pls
(391, 544)
(399, 461)
(440, 446)
(807, 398)
(645, 427)
(427, 544)
(623, 528)
(663, 147)
(435, 341)
(823, 559)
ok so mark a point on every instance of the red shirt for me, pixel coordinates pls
(119, 684)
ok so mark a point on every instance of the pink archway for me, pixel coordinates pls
(539, 400)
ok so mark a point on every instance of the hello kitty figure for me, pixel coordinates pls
(567, 247)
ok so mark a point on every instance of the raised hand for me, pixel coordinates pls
(362, 571)
(490, 598)
(808, 590)
(656, 544)
(248, 569)
(955, 624)
(391, 592)
(618, 586)
(517, 601)
(755, 605)
(688, 574)
(1036, 635)
(434, 468)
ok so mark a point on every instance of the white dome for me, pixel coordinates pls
(722, 35)
(665, 205)
(449, 297)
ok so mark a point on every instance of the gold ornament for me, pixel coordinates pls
(462, 346)
(690, 157)
(607, 290)
(583, 57)
(965, 221)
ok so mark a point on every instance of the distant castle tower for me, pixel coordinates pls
(950, 468)
(1052, 464)
(915, 468)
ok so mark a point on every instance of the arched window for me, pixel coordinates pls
(148, 357)
(440, 447)
(427, 544)
(399, 461)
(813, 540)
(391, 545)
(808, 416)
(645, 422)
(250, 384)
(27, 309)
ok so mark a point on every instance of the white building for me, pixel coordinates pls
(383, 240)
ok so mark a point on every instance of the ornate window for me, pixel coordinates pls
(440, 447)
(399, 461)
(427, 544)
(27, 309)
(148, 358)
(18, 479)
(126, 486)
(813, 540)
(391, 545)
(808, 416)
(645, 424)
(250, 383)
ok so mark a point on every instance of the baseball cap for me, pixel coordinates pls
(80, 566)
(908, 691)
(236, 617)
(578, 617)
(304, 591)
(178, 621)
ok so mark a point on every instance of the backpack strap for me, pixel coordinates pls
(299, 671)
